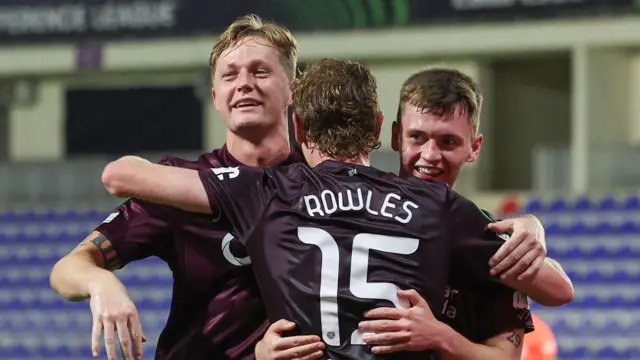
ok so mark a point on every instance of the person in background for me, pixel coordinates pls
(540, 344)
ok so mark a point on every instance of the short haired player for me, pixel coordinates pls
(273, 211)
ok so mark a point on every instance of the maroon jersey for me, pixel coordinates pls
(329, 243)
(216, 311)
(480, 315)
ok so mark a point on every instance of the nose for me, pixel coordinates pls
(431, 151)
(246, 81)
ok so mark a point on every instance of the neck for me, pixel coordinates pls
(315, 158)
(268, 149)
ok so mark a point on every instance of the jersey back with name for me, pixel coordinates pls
(330, 243)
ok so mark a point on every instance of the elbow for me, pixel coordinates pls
(560, 297)
(57, 283)
(115, 177)
(565, 296)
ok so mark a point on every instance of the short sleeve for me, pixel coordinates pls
(138, 229)
(238, 193)
(501, 310)
(473, 244)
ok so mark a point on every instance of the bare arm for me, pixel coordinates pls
(506, 346)
(550, 287)
(77, 275)
(132, 176)
(523, 265)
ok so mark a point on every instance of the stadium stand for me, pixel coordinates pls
(35, 322)
(596, 240)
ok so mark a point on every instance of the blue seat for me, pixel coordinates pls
(607, 203)
(534, 206)
(558, 205)
(632, 202)
(582, 204)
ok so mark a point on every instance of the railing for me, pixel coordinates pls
(610, 167)
(77, 182)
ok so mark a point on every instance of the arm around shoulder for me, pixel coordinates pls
(549, 287)
(132, 176)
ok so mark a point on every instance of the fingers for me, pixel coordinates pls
(379, 326)
(521, 266)
(124, 337)
(503, 226)
(387, 338)
(281, 326)
(504, 258)
(109, 340)
(388, 349)
(96, 331)
(532, 271)
(137, 336)
(314, 356)
(294, 342)
(301, 351)
(387, 313)
(414, 298)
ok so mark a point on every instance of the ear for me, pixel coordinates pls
(476, 145)
(395, 136)
(298, 129)
(378, 128)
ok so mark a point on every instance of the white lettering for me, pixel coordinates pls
(409, 215)
(230, 172)
(326, 197)
(63, 19)
(42, 19)
(387, 204)
(313, 207)
(393, 205)
(350, 205)
(369, 196)
(137, 15)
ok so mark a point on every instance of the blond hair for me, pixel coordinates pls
(252, 25)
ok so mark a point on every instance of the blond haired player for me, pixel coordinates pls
(216, 311)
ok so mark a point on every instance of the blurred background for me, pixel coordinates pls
(83, 82)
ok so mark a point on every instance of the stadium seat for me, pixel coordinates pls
(597, 241)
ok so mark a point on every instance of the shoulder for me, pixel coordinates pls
(204, 161)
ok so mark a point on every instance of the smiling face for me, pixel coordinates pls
(436, 131)
(251, 87)
(253, 63)
(434, 146)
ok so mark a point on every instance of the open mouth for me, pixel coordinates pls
(246, 104)
(427, 172)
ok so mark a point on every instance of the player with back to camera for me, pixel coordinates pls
(216, 311)
(304, 227)
(436, 132)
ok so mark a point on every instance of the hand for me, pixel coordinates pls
(523, 254)
(401, 329)
(274, 347)
(112, 310)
